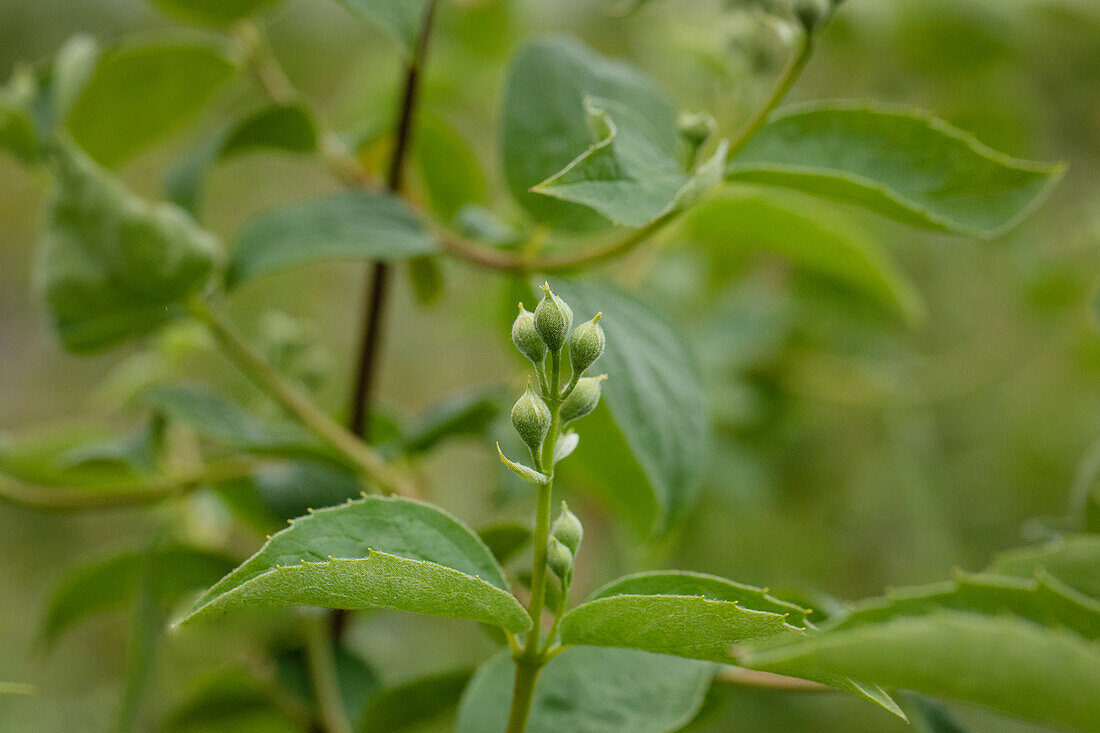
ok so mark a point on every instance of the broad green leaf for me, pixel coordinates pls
(1005, 663)
(656, 399)
(139, 94)
(286, 128)
(212, 12)
(626, 176)
(1045, 601)
(505, 540)
(234, 701)
(929, 716)
(545, 125)
(354, 224)
(399, 18)
(52, 456)
(467, 413)
(591, 690)
(904, 164)
(405, 706)
(1073, 559)
(289, 489)
(137, 449)
(375, 552)
(112, 266)
(823, 242)
(218, 418)
(449, 169)
(172, 571)
(698, 617)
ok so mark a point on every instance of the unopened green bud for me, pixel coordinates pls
(586, 344)
(567, 529)
(583, 399)
(531, 418)
(526, 338)
(811, 13)
(553, 319)
(696, 127)
(559, 559)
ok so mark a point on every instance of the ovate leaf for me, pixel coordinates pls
(1003, 662)
(545, 125)
(656, 399)
(218, 418)
(139, 94)
(287, 128)
(591, 690)
(403, 707)
(903, 164)
(625, 175)
(354, 224)
(171, 570)
(689, 615)
(375, 552)
(212, 12)
(823, 242)
(1045, 601)
(399, 18)
(111, 265)
(450, 170)
(1073, 559)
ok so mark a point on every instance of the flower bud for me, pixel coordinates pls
(531, 418)
(558, 558)
(696, 128)
(811, 13)
(553, 319)
(526, 338)
(586, 344)
(583, 399)
(567, 529)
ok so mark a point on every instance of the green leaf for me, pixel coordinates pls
(656, 399)
(354, 224)
(402, 707)
(626, 176)
(591, 690)
(172, 571)
(1002, 662)
(52, 456)
(139, 94)
(903, 164)
(218, 418)
(693, 616)
(449, 168)
(823, 242)
(137, 449)
(287, 128)
(468, 413)
(112, 266)
(545, 125)
(358, 681)
(212, 12)
(1073, 559)
(398, 18)
(929, 716)
(505, 540)
(233, 701)
(1045, 601)
(376, 552)
(288, 489)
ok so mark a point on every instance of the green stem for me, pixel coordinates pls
(783, 85)
(361, 455)
(322, 669)
(527, 674)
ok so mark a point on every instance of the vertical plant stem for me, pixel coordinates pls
(322, 671)
(527, 674)
(379, 278)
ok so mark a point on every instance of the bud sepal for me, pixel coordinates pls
(567, 529)
(526, 338)
(585, 345)
(559, 559)
(553, 319)
(531, 419)
(583, 399)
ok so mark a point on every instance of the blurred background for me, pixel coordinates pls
(853, 450)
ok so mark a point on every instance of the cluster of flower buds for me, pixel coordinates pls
(565, 539)
(541, 336)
